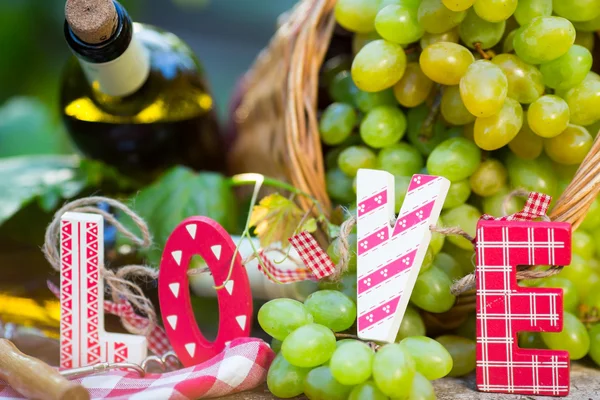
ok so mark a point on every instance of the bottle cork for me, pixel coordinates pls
(92, 21)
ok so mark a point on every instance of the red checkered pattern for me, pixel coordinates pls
(280, 275)
(243, 365)
(312, 255)
(504, 308)
(158, 342)
(535, 207)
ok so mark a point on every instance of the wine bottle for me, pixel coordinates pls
(134, 96)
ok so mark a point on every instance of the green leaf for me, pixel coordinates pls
(48, 178)
(178, 194)
(276, 219)
(27, 128)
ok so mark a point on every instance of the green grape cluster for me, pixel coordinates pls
(312, 361)
(494, 95)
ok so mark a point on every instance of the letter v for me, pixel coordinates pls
(389, 258)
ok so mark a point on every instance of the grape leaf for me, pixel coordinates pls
(276, 219)
(177, 194)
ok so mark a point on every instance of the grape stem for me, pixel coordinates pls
(426, 131)
(481, 51)
(374, 346)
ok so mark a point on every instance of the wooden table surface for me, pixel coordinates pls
(19, 262)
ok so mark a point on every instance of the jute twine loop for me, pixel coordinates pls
(344, 248)
(120, 287)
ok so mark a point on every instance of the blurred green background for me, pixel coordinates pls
(225, 34)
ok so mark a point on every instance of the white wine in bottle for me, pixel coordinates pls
(135, 96)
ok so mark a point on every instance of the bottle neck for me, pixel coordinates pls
(116, 67)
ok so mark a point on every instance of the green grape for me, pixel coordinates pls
(342, 88)
(493, 205)
(526, 144)
(544, 39)
(466, 217)
(533, 175)
(393, 370)
(581, 274)
(400, 159)
(280, 317)
(414, 87)
(590, 77)
(412, 324)
(383, 126)
(332, 309)
(351, 363)
(507, 45)
(594, 128)
(453, 109)
(483, 88)
(401, 184)
(346, 285)
(415, 118)
(458, 194)
(334, 249)
(455, 159)
(548, 116)
(571, 146)
(489, 178)
(309, 346)
(458, 5)
(421, 389)
(531, 340)
(285, 380)
(468, 328)
(449, 265)
(437, 239)
(496, 131)
(367, 391)
(378, 66)
(435, 17)
(357, 15)
(529, 9)
(320, 384)
(427, 261)
(577, 10)
(359, 40)
(594, 334)
(592, 299)
(592, 218)
(594, 263)
(568, 70)
(570, 295)
(585, 39)
(525, 82)
(431, 38)
(399, 23)
(573, 338)
(588, 26)
(332, 67)
(353, 158)
(474, 29)
(432, 359)
(582, 243)
(495, 10)
(366, 101)
(407, 3)
(339, 186)
(584, 102)
(462, 351)
(445, 62)
(432, 291)
(275, 345)
(336, 123)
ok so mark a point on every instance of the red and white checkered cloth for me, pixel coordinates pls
(158, 342)
(243, 365)
(535, 207)
(318, 263)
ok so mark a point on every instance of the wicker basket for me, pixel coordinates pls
(277, 127)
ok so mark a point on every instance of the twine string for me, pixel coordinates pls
(120, 287)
